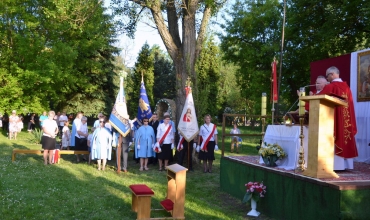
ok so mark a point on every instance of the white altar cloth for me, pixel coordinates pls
(288, 138)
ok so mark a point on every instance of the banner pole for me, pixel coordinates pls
(118, 156)
(188, 156)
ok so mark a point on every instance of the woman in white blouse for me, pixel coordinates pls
(81, 136)
(50, 131)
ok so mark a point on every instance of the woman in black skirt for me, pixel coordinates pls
(50, 131)
(165, 138)
(208, 134)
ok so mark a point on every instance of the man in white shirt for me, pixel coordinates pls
(62, 119)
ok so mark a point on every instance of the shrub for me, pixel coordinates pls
(35, 136)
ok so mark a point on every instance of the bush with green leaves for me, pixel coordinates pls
(35, 136)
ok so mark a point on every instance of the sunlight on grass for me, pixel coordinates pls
(31, 190)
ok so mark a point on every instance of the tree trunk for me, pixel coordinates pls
(184, 51)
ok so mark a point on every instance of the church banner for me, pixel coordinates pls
(188, 123)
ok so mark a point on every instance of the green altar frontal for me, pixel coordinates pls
(293, 196)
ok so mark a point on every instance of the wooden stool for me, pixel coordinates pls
(141, 200)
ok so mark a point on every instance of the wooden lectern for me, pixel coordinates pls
(175, 199)
(320, 158)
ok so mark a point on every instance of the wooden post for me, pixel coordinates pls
(223, 136)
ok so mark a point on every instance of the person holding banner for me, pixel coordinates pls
(145, 140)
(185, 148)
(125, 147)
(165, 142)
(154, 123)
(208, 133)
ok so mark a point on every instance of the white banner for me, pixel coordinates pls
(188, 124)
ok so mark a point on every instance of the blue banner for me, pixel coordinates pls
(143, 111)
(119, 119)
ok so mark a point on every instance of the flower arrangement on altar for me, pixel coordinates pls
(255, 190)
(270, 153)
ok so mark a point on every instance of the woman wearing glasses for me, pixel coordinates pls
(145, 140)
(101, 144)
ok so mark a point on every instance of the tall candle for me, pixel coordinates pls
(263, 104)
(302, 92)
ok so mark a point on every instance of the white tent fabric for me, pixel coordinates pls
(362, 110)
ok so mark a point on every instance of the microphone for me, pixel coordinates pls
(294, 104)
(309, 85)
(327, 83)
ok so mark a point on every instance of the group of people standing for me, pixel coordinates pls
(155, 140)
(98, 142)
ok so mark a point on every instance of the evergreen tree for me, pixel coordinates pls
(143, 70)
(207, 82)
(164, 75)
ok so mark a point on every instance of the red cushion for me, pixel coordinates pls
(141, 189)
(167, 204)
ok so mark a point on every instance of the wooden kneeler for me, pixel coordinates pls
(141, 200)
(175, 199)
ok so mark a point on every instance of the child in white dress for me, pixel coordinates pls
(66, 137)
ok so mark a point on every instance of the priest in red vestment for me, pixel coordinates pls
(344, 118)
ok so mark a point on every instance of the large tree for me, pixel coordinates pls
(314, 30)
(56, 54)
(183, 43)
(251, 40)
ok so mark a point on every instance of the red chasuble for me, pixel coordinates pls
(345, 127)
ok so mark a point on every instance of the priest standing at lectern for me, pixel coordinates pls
(344, 121)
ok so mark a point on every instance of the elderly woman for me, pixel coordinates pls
(50, 131)
(81, 136)
(13, 125)
(145, 140)
(101, 144)
(165, 139)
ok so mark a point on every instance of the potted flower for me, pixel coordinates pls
(255, 190)
(271, 153)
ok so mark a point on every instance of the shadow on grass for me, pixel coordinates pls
(31, 190)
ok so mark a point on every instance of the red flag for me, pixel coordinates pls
(274, 94)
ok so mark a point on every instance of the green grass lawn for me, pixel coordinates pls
(31, 190)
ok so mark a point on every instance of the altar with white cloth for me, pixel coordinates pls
(288, 138)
